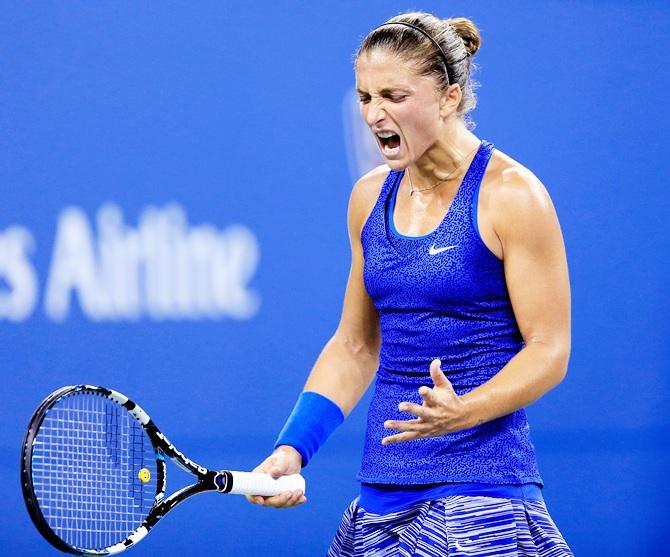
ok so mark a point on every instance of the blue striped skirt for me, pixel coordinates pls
(457, 525)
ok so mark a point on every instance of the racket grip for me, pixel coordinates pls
(253, 483)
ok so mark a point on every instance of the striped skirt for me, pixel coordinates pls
(453, 526)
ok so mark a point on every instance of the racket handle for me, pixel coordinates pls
(253, 483)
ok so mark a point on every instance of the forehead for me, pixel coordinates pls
(380, 69)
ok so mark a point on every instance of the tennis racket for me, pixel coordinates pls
(93, 472)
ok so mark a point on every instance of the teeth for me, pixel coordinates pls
(385, 135)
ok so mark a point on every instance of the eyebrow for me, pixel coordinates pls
(385, 91)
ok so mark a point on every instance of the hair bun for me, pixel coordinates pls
(468, 31)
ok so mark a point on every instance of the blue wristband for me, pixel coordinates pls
(313, 419)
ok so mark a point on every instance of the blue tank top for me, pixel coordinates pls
(443, 295)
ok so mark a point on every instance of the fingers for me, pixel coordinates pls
(429, 415)
(439, 378)
(404, 425)
(279, 464)
(416, 409)
(401, 437)
(267, 465)
(428, 396)
(282, 462)
(277, 471)
(282, 501)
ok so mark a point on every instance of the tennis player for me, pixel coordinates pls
(457, 304)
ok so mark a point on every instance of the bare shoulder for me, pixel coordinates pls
(513, 194)
(364, 195)
(369, 185)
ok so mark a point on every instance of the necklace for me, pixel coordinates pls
(458, 166)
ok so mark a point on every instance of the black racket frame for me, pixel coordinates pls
(207, 480)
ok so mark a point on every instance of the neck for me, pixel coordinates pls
(444, 160)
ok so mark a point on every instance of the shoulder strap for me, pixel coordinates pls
(375, 221)
(480, 163)
(475, 174)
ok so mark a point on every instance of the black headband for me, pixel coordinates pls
(425, 34)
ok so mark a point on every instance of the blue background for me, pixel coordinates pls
(237, 112)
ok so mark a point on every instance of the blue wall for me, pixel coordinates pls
(220, 138)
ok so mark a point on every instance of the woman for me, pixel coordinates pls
(458, 280)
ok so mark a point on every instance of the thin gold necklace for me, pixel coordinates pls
(409, 174)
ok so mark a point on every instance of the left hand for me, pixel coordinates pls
(442, 412)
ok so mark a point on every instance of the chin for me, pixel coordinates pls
(396, 165)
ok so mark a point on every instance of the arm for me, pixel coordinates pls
(349, 360)
(536, 274)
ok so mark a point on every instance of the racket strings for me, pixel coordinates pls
(86, 462)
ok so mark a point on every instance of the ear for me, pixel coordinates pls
(450, 99)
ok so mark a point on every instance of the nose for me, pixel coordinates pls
(374, 113)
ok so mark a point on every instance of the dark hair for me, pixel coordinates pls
(458, 38)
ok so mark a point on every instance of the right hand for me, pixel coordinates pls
(285, 460)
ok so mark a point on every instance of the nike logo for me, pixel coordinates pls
(434, 251)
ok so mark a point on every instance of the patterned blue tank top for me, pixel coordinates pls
(444, 297)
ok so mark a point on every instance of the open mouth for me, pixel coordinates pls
(390, 142)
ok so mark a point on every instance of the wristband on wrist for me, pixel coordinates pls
(312, 421)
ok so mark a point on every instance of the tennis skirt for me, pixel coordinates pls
(457, 525)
